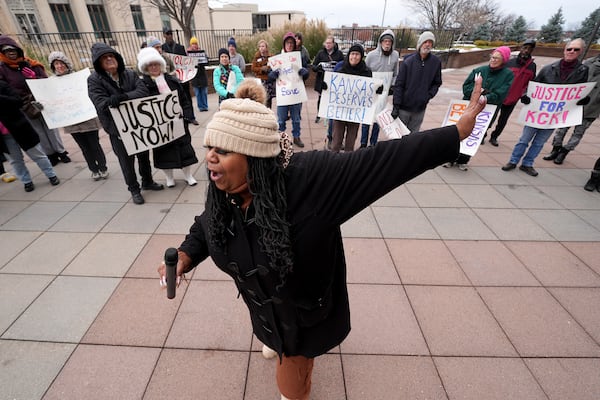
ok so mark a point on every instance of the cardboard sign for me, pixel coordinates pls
(289, 86)
(349, 98)
(386, 77)
(554, 106)
(392, 128)
(149, 122)
(65, 98)
(185, 67)
(456, 109)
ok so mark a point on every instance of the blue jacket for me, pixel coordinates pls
(418, 82)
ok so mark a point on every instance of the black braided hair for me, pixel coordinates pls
(267, 186)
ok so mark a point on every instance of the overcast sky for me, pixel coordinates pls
(371, 12)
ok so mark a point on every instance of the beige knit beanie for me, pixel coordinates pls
(246, 127)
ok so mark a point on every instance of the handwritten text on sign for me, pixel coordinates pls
(393, 128)
(554, 106)
(456, 109)
(149, 122)
(65, 98)
(349, 98)
(185, 67)
(289, 86)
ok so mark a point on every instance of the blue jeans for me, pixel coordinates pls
(201, 97)
(538, 136)
(294, 112)
(364, 136)
(35, 153)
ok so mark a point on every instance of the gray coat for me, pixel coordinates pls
(592, 109)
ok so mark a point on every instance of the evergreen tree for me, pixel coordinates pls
(516, 32)
(587, 28)
(482, 32)
(552, 32)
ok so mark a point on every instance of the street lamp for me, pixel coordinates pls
(383, 16)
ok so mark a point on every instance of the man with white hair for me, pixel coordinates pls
(418, 81)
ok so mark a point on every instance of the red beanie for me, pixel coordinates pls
(505, 51)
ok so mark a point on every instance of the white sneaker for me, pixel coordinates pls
(448, 165)
(96, 176)
(104, 174)
(463, 167)
(169, 178)
(268, 353)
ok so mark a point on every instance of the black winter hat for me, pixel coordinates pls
(223, 51)
(529, 42)
(358, 48)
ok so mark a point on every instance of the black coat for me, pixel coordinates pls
(322, 56)
(101, 86)
(178, 153)
(311, 314)
(14, 120)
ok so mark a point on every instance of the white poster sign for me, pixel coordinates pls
(65, 98)
(149, 122)
(456, 108)
(349, 98)
(554, 106)
(386, 77)
(185, 67)
(289, 86)
(392, 128)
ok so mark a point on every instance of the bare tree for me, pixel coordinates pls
(462, 14)
(182, 11)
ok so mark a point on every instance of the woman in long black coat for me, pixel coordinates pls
(178, 154)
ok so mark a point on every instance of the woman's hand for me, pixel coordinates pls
(183, 266)
(477, 103)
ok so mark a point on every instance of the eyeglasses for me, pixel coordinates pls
(495, 58)
(573, 49)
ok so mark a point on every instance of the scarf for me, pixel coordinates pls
(224, 74)
(19, 62)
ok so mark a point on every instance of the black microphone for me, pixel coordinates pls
(171, 258)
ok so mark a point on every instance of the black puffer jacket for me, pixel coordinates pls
(323, 56)
(101, 86)
(178, 153)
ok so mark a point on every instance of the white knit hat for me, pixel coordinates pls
(425, 36)
(149, 55)
(244, 126)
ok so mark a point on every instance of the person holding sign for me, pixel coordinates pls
(226, 77)
(418, 81)
(293, 110)
(383, 60)
(261, 69)
(84, 133)
(346, 131)
(496, 83)
(325, 60)
(591, 111)
(109, 85)
(272, 222)
(16, 69)
(178, 153)
(199, 82)
(564, 71)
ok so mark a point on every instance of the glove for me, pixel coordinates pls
(273, 75)
(37, 105)
(584, 101)
(28, 73)
(391, 91)
(379, 90)
(395, 112)
(324, 86)
(525, 99)
(230, 95)
(116, 99)
(303, 72)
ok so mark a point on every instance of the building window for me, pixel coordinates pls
(165, 18)
(65, 21)
(138, 19)
(260, 22)
(99, 20)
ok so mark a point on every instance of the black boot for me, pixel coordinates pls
(593, 182)
(561, 156)
(53, 159)
(64, 157)
(553, 154)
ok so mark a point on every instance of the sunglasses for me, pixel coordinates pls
(573, 49)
